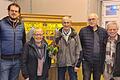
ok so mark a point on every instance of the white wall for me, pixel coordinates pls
(25, 5)
(78, 9)
(3, 8)
(75, 8)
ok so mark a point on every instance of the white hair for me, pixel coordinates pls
(111, 23)
(32, 31)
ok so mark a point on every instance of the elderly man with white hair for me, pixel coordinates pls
(112, 61)
(69, 49)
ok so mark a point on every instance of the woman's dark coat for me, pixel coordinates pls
(30, 61)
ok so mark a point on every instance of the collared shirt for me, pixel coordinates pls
(66, 34)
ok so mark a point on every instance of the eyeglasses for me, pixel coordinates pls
(90, 19)
(66, 22)
(112, 29)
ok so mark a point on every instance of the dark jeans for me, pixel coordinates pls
(42, 78)
(62, 70)
(9, 69)
(89, 68)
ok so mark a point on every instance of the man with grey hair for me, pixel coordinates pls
(69, 49)
(93, 40)
(112, 61)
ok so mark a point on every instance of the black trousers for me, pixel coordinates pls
(38, 78)
(89, 68)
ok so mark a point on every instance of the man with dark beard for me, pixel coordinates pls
(12, 39)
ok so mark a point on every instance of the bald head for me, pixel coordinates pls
(66, 18)
(93, 20)
(66, 22)
(93, 15)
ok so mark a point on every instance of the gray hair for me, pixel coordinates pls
(111, 23)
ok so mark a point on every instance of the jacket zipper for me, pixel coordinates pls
(14, 35)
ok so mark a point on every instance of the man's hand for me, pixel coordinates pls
(27, 79)
(76, 69)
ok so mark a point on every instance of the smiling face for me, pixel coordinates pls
(38, 35)
(112, 29)
(66, 22)
(13, 12)
(93, 20)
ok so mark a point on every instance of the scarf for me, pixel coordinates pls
(110, 54)
(41, 59)
(66, 34)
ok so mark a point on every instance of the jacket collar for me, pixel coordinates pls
(32, 44)
(91, 28)
(118, 40)
(73, 33)
(10, 22)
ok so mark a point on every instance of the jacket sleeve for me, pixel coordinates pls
(78, 50)
(48, 58)
(24, 36)
(24, 59)
(0, 40)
